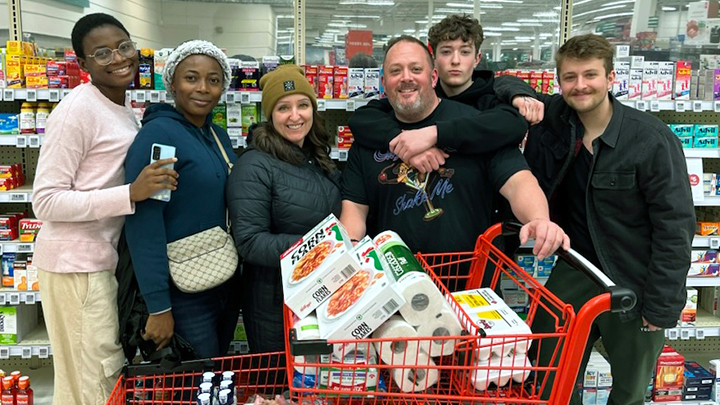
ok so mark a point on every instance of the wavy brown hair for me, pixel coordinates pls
(455, 26)
(317, 143)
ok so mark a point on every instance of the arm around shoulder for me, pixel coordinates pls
(373, 125)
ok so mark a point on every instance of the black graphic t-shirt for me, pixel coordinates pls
(443, 211)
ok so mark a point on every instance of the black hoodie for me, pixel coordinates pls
(498, 124)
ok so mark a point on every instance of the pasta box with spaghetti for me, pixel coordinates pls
(364, 303)
(316, 266)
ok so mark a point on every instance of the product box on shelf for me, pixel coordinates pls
(372, 83)
(249, 117)
(622, 79)
(233, 115)
(705, 131)
(536, 81)
(669, 376)
(18, 322)
(356, 82)
(311, 74)
(7, 262)
(697, 376)
(269, 63)
(316, 266)
(689, 312)
(707, 228)
(715, 371)
(326, 76)
(364, 302)
(704, 263)
(219, 116)
(344, 137)
(341, 82)
(20, 269)
(635, 83)
(709, 299)
(548, 84)
(29, 228)
(664, 85)
(249, 76)
(161, 56)
(649, 81)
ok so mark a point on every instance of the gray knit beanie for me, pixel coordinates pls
(195, 47)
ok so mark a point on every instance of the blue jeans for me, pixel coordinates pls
(207, 319)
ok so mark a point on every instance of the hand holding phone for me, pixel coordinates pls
(157, 177)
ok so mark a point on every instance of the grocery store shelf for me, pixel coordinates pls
(16, 246)
(341, 104)
(673, 105)
(704, 241)
(35, 344)
(21, 194)
(339, 154)
(701, 152)
(708, 201)
(703, 281)
(15, 297)
(706, 325)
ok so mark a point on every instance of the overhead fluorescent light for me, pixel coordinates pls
(511, 24)
(669, 9)
(522, 38)
(604, 17)
(285, 16)
(502, 1)
(599, 10)
(492, 34)
(528, 20)
(547, 14)
(470, 5)
(618, 2)
(339, 25)
(374, 17)
(367, 2)
(515, 49)
(332, 31)
(501, 29)
(409, 31)
(577, 3)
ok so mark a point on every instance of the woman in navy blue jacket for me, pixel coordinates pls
(196, 74)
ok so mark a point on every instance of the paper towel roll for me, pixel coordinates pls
(418, 378)
(349, 350)
(306, 329)
(398, 351)
(444, 323)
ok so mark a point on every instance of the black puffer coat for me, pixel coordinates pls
(272, 204)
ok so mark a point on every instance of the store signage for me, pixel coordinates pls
(357, 41)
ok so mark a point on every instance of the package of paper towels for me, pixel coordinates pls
(394, 349)
(423, 299)
(499, 370)
(307, 329)
(416, 378)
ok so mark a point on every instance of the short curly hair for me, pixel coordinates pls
(88, 23)
(456, 26)
(585, 47)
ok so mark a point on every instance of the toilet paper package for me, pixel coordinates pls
(393, 351)
(422, 296)
(499, 370)
(445, 323)
(308, 329)
(353, 350)
(418, 378)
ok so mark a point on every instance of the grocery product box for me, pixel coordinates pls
(316, 266)
(548, 82)
(340, 80)
(715, 371)
(351, 379)
(326, 77)
(344, 137)
(669, 377)
(536, 78)
(20, 276)
(544, 267)
(682, 129)
(249, 117)
(17, 322)
(683, 71)
(249, 76)
(481, 299)
(269, 63)
(356, 82)
(705, 142)
(372, 82)
(697, 376)
(364, 302)
(707, 228)
(311, 74)
(649, 81)
(709, 298)
(219, 116)
(622, 78)
(233, 115)
(705, 131)
(689, 312)
(29, 228)
(159, 61)
(664, 85)
(635, 83)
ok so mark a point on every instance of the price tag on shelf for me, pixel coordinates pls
(655, 106)
(31, 95)
(4, 352)
(14, 298)
(697, 106)
(33, 141)
(672, 334)
(164, 96)
(30, 298)
(43, 352)
(18, 197)
(140, 96)
(342, 155)
(699, 334)
(350, 105)
(20, 141)
(9, 95)
(54, 95)
(65, 92)
(622, 51)
(235, 142)
(333, 152)
(26, 352)
(321, 105)
(1, 251)
(641, 105)
(680, 106)
(24, 247)
(716, 106)
(230, 97)
(244, 97)
(3, 300)
(154, 96)
(685, 334)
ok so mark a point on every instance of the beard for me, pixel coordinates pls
(411, 109)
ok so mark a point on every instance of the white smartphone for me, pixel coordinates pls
(159, 152)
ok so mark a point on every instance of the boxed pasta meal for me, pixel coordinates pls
(361, 305)
(316, 266)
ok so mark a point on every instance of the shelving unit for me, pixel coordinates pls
(35, 344)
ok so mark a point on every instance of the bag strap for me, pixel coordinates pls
(222, 150)
(230, 166)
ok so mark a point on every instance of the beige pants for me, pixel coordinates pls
(81, 316)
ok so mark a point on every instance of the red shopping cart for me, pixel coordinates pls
(312, 377)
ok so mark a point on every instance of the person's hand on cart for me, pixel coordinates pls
(548, 237)
(160, 329)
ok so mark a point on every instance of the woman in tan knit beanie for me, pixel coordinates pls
(282, 186)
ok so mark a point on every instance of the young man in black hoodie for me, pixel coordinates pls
(455, 42)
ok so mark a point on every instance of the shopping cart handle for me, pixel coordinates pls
(308, 347)
(622, 299)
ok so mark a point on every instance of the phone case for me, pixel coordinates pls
(158, 152)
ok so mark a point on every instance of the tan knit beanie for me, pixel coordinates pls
(281, 82)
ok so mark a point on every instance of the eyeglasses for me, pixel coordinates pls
(104, 56)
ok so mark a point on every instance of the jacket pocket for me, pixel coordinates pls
(623, 180)
(615, 194)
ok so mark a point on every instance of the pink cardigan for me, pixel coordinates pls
(78, 191)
